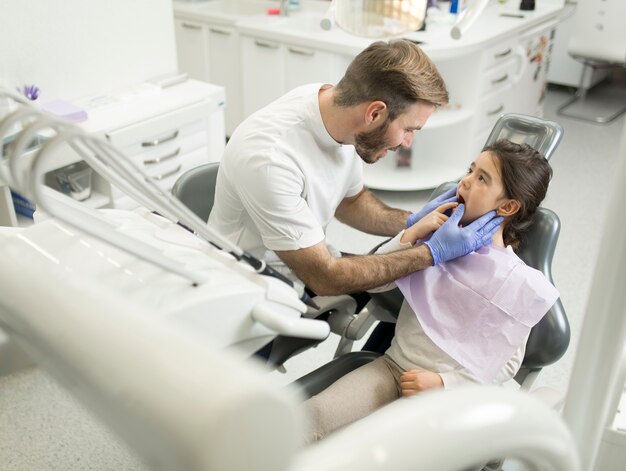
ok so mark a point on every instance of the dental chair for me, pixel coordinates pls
(548, 340)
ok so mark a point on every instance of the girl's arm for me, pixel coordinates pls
(415, 381)
(454, 378)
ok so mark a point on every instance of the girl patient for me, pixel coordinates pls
(462, 321)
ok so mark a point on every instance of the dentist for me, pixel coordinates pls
(292, 166)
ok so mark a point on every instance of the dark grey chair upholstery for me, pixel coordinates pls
(196, 188)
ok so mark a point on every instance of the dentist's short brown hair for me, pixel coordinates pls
(397, 72)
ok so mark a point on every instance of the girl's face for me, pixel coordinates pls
(482, 190)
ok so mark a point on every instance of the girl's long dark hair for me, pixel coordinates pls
(526, 175)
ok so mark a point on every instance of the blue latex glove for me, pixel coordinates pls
(451, 241)
(447, 197)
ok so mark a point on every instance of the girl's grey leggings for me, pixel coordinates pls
(353, 396)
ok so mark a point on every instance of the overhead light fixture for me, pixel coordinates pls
(384, 18)
(379, 18)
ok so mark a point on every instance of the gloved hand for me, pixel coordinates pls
(451, 241)
(447, 197)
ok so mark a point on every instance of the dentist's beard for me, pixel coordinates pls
(369, 144)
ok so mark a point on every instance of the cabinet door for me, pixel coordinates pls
(305, 65)
(532, 82)
(262, 73)
(226, 70)
(192, 50)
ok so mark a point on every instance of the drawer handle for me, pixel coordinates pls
(302, 52)
(160, 141)
(191, 26)
(501, 79)
(219, 31)
(498, 55)
(167, 174)
(162, 158)
(267, 45)
(496, 111)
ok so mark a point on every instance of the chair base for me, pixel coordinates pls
(601, 106)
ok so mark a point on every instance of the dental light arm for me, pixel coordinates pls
(467, 17)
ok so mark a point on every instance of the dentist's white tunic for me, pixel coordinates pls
(282, 177)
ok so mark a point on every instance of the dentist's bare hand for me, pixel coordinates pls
(451, 241)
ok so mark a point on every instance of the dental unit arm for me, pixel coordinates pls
(119, 170)
(141, 250)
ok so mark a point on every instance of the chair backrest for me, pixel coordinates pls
(599, 33)
(541, 134)
(196, 188)
(550, 338)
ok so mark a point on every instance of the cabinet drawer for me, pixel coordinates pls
(164, 177)
(498, 54)
(498, 77)
(492, 107)
(154, 156)
(159, 127)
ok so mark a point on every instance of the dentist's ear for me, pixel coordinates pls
(508, 208)
(375, 111)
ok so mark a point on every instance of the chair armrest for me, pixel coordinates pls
(318, 380)
(448, 430)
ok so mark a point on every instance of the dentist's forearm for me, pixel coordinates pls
(351, 274)
(367, 213)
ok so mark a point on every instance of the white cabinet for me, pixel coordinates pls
(163, 132)
(210, 52)
(271, 68)
(173, 143)
(225, 70)
(307, 65)
(532, 82)
(191, 47)
(263, 76)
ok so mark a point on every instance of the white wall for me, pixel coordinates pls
(77, 48)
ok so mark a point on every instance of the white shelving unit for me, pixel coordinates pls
(165, 132)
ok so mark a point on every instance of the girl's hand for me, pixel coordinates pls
(428, 224)
(415, 381)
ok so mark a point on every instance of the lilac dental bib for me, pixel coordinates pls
(479, 308)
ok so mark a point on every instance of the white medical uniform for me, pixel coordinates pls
(282, 177)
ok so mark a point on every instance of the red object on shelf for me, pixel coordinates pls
(273, 11)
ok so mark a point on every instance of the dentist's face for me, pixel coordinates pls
(481, 189)
(390, 135)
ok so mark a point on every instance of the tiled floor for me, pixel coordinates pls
(43, 428)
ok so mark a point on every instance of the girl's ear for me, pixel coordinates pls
(508, 208)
